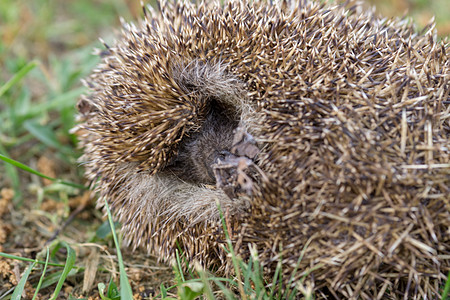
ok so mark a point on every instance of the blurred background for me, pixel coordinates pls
(45, 50)
(44, 29)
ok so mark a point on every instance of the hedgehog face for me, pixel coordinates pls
(204, 148)
(159, 139)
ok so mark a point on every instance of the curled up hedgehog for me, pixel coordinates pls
(322, 131)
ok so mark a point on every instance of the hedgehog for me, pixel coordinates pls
(321, 132)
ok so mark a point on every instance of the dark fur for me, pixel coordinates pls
(202, 149)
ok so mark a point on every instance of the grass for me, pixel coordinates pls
(45, 50)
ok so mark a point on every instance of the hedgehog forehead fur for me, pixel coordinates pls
(348, 114)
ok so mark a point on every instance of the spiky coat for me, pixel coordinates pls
(350, 113)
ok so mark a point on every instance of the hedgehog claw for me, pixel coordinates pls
(231, 172)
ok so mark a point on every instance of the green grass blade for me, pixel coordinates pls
(207, 291)
(54, 277)
(257, 273)
(446, 290)
(247, 275)
(70, 261)
(233, 254)
(43, 133)
(109, 293)
(113, 292)
(184, 260)
(42, 276)
(180, 269)
(59, 102)
(13, 175)
(10, 256)
(32, 171)
(125, 288)
(17, 77)
(276, 279)
(163, 290)
(229, 295)
(17, 294)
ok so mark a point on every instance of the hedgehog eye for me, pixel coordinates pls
(221, 155)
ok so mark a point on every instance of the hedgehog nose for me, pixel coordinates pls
(244, 144)
(220, 156)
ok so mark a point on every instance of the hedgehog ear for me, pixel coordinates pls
(84, 106)
(210, 80)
